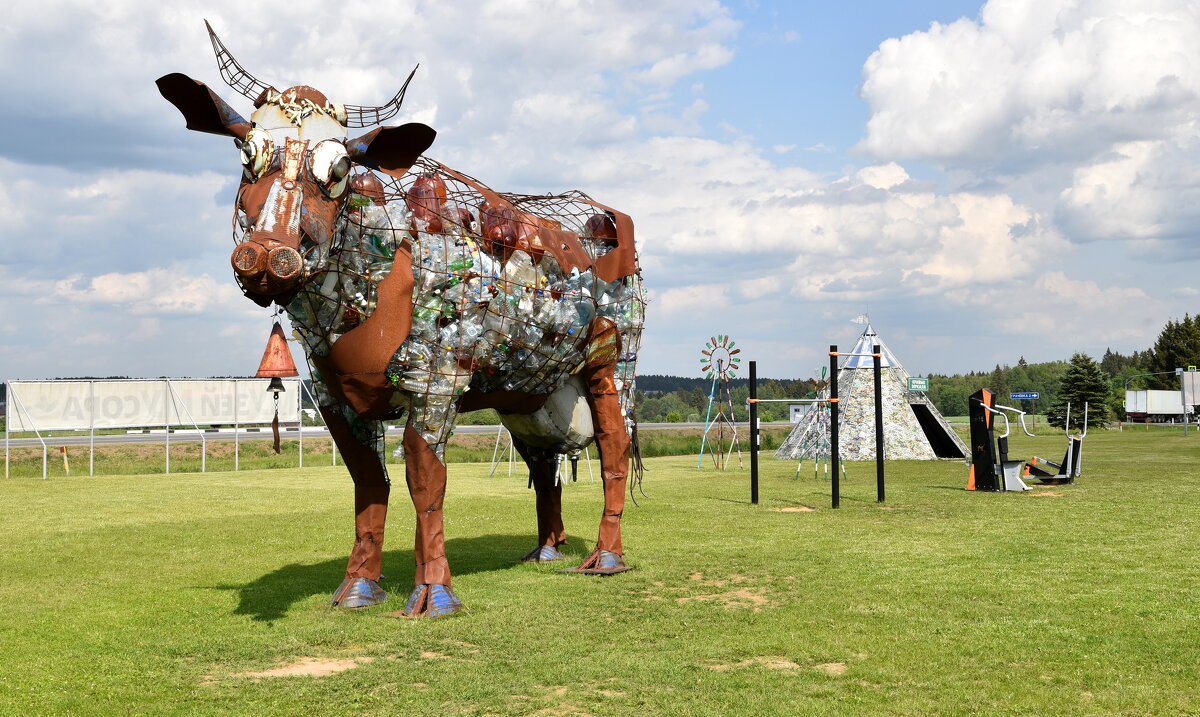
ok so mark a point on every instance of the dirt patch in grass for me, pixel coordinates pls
(795, 509)
(1046, 494)
(304, 667)
(770, 662)
(744, 598)
(833, 669)
(719, 582)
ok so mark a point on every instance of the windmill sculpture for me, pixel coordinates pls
(719, 362)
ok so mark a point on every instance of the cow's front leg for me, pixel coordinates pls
(359, 445)
(612, 439)
(426, 475)
(543, 475)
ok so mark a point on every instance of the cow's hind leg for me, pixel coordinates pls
(543, 476)
(612, 439)
(360, 587)
(426, 475)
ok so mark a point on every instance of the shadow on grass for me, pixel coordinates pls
(269, 597)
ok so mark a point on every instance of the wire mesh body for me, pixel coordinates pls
(492, 308)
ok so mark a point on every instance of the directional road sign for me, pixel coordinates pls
(1024, 395)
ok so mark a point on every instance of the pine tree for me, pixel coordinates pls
(1082, 382)
(1178, 346)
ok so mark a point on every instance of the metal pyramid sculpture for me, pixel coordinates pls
(913, 429)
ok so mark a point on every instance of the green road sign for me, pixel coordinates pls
(918, 383)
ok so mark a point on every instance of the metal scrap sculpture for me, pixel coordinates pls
(417, 291)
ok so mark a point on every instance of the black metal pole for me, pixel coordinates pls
(833, 423)
(878, 422)
(754, 432)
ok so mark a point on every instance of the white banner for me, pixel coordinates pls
(80, 405)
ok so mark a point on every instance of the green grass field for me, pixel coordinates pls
(155, 594)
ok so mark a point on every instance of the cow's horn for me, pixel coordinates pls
(359, 116)
(234, 74)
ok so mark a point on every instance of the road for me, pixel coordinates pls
(82, 439)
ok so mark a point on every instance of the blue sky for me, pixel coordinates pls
(989, 180)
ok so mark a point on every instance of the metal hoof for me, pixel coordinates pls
(432, 601)
(600, 562)
(358, 592)
(543, 554)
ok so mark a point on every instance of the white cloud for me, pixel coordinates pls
(1085, 108)
(1035, 82)
(162, 291)
(1142, 190)
(115, 219)
(689, 300)
(1106, 315)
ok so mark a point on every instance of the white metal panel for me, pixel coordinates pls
(71, 405)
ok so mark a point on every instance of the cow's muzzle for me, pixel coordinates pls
(267, 270)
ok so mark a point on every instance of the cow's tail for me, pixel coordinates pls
(637, 467)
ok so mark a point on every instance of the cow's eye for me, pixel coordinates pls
(330, 166)
(257, 151)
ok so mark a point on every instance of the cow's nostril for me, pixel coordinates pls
(284, 263)
(249, 260)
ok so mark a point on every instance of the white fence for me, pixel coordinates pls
(86, 405)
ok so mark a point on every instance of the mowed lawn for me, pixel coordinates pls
(166, 594)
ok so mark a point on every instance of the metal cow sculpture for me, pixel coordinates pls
(417, 291)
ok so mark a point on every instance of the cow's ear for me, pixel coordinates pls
(201, 107)
(391, 150)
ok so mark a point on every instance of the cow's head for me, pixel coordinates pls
(296, 166)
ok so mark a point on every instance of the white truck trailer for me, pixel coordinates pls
(1153, 406)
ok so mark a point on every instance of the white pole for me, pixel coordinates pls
(167, 420)
(92, 429)
(7, 393)
(12, 396)
(235, 425)
(312, 398)
(496, 450)
(300, 420)
(175, 401)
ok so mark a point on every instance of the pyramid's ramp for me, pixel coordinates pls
(943, 439)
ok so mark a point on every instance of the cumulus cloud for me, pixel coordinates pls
(119, 217)
(160, 291)
(1143, 190)
(96, 221)
(1086, 109)
(1034, 82)
(1112, 315)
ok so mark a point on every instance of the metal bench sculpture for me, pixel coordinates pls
(417, 291)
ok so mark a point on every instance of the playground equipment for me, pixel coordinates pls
(1051, 473)
(832, 401)
(720, 362)
(991, 469)
(913, 428)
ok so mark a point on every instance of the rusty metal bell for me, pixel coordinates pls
(277, 358)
